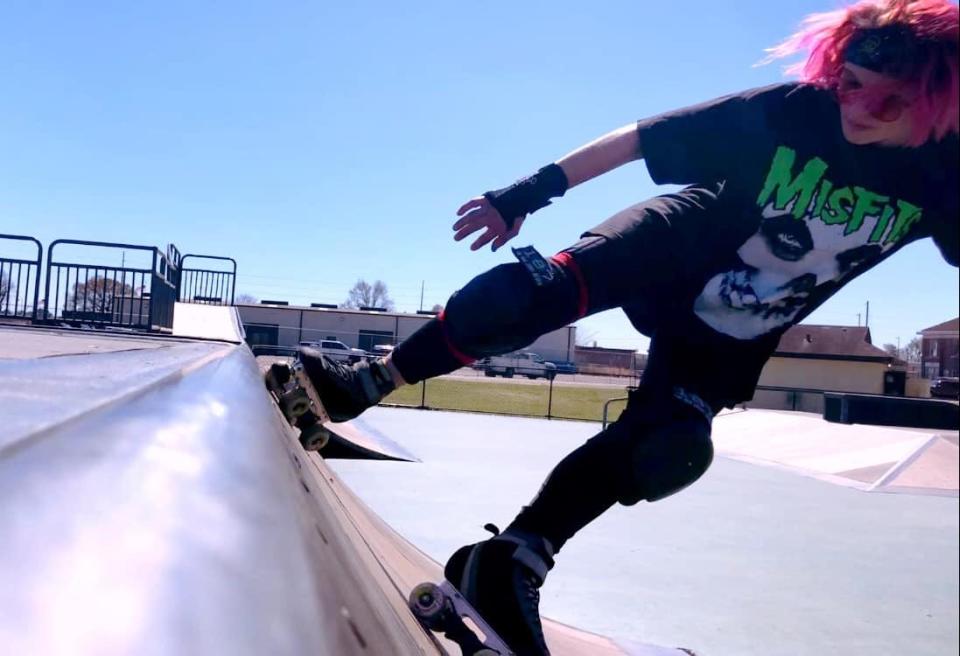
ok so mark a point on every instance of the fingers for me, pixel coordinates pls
(505, 237)
(477, 214)
(472, 204)
(485, 239)
(467, 229)
(476, 211)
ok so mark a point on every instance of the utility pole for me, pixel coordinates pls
(867, 322)
(858, 319)
(422, 282)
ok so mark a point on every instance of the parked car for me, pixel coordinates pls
(945, 388)
(337, 350)
(379, 351)
(524, 363)
(565, 367)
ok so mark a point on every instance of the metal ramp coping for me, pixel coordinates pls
(155, 502)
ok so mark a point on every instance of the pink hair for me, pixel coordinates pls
(935, 23)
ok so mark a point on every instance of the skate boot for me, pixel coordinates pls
(501, 579)
(346, 390)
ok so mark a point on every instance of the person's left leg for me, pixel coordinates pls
(659, 445)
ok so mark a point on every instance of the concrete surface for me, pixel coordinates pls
(751, 560)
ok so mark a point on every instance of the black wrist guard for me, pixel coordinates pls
(527, 195)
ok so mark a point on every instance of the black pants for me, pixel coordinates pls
(647, 260)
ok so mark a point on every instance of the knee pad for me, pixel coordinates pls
(665, 459)
(504, 309)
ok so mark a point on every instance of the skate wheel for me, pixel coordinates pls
(428, 603)
(314, 438)
(299, 406)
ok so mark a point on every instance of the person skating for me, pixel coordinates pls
(792, 191)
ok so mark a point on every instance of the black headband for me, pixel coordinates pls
(891, 50)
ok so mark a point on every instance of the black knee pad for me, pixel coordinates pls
(504, 309)
(664, 456)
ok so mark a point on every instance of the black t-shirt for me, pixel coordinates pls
(802, 210)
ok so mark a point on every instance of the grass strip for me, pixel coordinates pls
(569, 401)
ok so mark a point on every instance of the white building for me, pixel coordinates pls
(285, 326)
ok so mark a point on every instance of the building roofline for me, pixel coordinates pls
(306, 308)
(368, 313)
(833, 356)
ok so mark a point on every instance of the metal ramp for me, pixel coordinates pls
(154, 502)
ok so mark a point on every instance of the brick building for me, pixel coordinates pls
(939, 349)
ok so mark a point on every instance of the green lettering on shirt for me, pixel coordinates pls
(822, 196)
(867, 204)
(799, 189)
(881, 226)
(908, 215)
(815, 197)
(837, 209)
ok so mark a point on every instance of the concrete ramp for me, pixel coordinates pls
(358, 440)
(934, 466)
(154, 502)
(397, 566)
(201, 321)
(866, 457)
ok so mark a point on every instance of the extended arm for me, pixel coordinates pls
(610, 151)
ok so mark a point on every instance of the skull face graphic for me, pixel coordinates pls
(780, 267)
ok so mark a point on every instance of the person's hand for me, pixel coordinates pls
(478, 214)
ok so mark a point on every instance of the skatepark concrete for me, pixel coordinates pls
(753, 559)
(155, 503)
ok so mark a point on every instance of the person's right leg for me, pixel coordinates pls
(638, 256)
(499, 311)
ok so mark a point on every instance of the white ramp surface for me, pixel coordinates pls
(851, 454)
(220, 322)
(935, 465)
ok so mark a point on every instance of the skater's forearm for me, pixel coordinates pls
(605, 154)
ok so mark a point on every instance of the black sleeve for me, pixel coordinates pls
(947, 240)
(946, 235)
(714, 140)
(944, 226)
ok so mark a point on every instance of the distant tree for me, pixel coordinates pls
(246, 299)
(437, 308)
(5, 290)
(363, 294)
(892, 350)
(99, 294)
(911, 352)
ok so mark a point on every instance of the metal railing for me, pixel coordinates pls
(208, 286)
(79, 293)
(18, 288)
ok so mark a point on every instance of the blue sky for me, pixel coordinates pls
(318, 142)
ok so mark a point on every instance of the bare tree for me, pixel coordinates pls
(5, 290)
(246, 299)
(99, 294)
(892, 350)
(363, 294)
(437, 308)
(911, 352)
